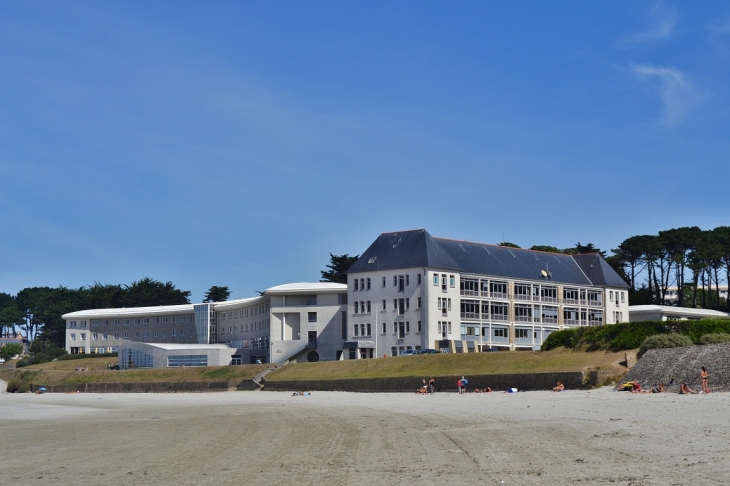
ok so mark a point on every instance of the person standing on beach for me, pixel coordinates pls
(704, 376)
(431, 384)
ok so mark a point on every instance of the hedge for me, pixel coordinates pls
(630, 335)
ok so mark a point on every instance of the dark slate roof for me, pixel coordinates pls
(514, 262)
(405, 249)
(412, 249)
(599, 271)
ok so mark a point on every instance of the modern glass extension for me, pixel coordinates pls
(132, 358)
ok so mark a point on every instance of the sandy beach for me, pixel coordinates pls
(582, 437)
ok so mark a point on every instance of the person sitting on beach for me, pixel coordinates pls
(658, 389)
(684, 389)
(559, 387)
(637, 387)
(477, 390)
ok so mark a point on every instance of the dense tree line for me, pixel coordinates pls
(37, 311)
(693, 260)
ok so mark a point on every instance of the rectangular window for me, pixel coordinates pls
(408, 280)
(157, 334)
(94, 337)
(362, 284)
(384, 328)
(83, 336)
(73, 336)
(435, 280)
(192, 332)
(408, 326)
(418, 327)
(369, 331)
(362, 329)
(312, 317)
(418, 281)
(103, 337)
(395, 328)
(356, 307)
(368, 283)
(383, 281)
(395, 280)
(449, 303)
(164, 334)
(452, 281)
(174, 333)
(610, 295)
(116, 335)
(419, 303)
(521, 333)
(368, 307)
(500, 332)
(356, 329)
(622, 297)
(357, 284)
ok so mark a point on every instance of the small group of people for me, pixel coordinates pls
(684, 388)
(82, 368)
(559, 386)
(427, 388)
(300, 394)
(461, 385)
(486, 390)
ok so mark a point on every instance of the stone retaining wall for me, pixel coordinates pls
(498, 382)
(683, 364)
(158, 387)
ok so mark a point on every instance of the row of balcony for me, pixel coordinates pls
(531, 298)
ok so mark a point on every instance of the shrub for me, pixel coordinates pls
(17, 386)
(559, 338)
(660, 341)
(697, 329)
(714, 338)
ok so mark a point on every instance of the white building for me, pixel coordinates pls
(671, 313)
(301, 322)
(409, 290)
(672, 294)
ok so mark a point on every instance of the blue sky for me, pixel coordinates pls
(238, 143)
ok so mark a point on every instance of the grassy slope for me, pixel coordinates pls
(452, 364)
(62, 373)
(561, 359)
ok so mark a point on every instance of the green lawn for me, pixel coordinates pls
(63, 373)
(561, 359)
(453, 364)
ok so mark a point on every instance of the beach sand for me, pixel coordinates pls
(581, 437)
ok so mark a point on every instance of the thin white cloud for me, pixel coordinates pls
(673, 88)
(662, 21)
(719, 34)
